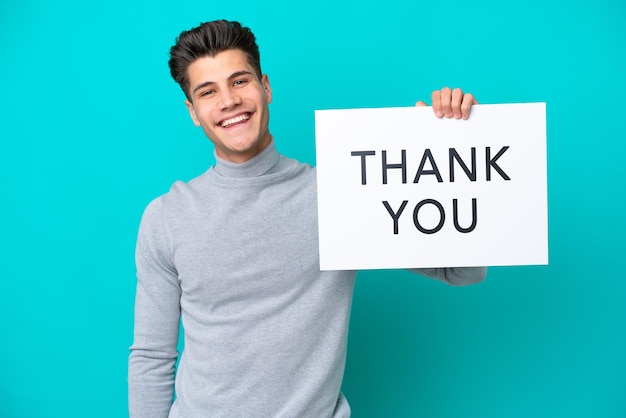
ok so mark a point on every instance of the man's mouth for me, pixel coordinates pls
(235, 120)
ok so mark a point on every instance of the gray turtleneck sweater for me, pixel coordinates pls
(234, 254)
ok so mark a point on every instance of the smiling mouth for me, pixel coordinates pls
(235, 121)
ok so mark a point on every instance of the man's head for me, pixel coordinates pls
(209, 39)
(217, 66)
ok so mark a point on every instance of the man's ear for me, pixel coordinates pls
(192, 113)
(268, 89)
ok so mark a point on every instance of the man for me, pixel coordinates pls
(234, 254)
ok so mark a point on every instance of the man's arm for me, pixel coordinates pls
(151, 365)
(453, 103)
(455, 276)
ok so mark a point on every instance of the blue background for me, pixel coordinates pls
(92, 128)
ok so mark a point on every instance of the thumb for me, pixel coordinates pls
(420, 103)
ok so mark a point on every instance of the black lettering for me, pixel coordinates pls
(420, 171)
(491, 162)
(442, 216)
(455, 215)
(363, 154)
(453, 155)
(402, 166)
(395, 216)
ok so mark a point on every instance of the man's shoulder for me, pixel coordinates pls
(295, 167)
(178, 195)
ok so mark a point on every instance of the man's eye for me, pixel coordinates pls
(207, 93)
(240, 82)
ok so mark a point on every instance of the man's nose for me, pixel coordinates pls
(230, 99)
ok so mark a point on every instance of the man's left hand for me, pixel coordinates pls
(451, 103)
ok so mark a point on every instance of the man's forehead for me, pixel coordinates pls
(221, 66)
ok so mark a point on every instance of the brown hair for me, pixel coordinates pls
(209, 39)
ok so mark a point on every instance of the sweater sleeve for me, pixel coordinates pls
(151, 365)
(455, 276)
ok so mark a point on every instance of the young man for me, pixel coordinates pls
(234, 254)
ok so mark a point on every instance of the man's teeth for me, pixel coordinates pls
(236, 119)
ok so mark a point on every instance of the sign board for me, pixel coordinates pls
(400, 188)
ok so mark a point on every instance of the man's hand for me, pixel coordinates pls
(451, 103)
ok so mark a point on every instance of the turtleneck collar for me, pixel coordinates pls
(255, 167)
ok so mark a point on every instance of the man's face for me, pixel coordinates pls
(230, 103)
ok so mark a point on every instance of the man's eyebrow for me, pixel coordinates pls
(239, 74)
(233, 75)
(202, 85)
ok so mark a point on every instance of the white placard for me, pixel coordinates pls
(400, 188)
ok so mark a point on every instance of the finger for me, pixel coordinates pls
(456, 101)
(466, 105)
(446, 102)
(420, 103)
(435, 98)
